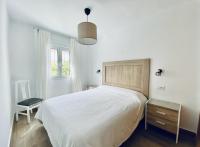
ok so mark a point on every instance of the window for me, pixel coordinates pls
(60, 63)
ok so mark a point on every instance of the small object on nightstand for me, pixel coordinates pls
(91, 87)
(164, 115)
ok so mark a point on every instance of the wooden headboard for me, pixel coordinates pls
(130, 74)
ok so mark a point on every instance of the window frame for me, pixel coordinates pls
(59, 75)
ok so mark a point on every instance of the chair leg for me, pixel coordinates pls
(28, 116)
(17, 116)
(31, 110)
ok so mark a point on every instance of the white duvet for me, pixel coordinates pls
(102, 117)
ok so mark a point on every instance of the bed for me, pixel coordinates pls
(101, 117)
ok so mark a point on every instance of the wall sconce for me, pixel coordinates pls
(159, 72)
(98, 71)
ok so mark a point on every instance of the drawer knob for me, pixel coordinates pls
(159, 122)
(162, 113)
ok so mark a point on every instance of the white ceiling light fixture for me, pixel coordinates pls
(87, 31)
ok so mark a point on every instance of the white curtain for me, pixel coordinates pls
(42, 40)
(75, 66)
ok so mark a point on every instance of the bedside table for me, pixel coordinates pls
(164, 115)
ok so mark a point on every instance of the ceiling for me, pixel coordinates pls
(64, 15)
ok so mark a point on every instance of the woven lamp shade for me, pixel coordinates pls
(87, 33)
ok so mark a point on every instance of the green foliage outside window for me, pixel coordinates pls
(65, 68)
(54, 69)
(62, 57)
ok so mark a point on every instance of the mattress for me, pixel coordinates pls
(101, 117)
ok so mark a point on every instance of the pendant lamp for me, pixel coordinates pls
(87, 31)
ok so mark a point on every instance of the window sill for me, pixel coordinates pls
(60, 78)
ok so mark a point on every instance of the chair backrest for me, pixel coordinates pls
(22, 90)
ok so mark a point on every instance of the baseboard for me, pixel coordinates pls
(185, 131)
(198, 131)
(11, 131)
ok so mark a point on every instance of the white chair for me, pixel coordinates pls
(23, 99)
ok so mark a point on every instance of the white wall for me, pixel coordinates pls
(169, 37)
(5, 98)
(22, 54)
(23, 60)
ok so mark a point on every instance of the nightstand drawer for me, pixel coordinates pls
(162, 123)
(163, 113)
